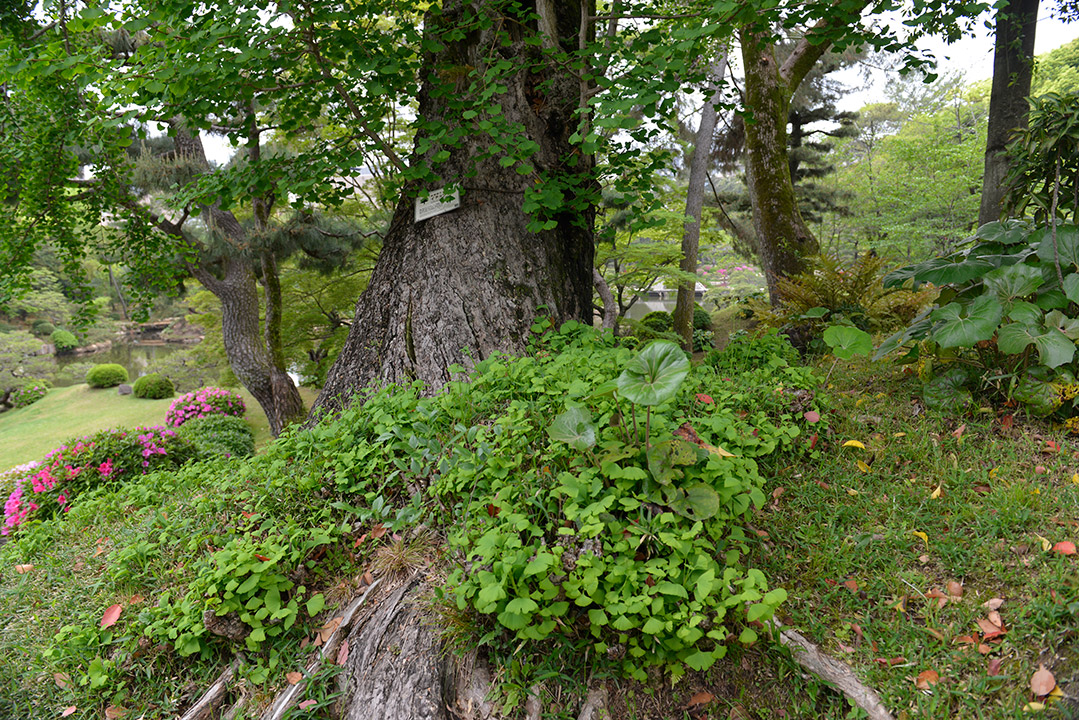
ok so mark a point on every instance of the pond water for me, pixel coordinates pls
(136, 357)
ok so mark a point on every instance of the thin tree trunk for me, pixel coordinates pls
(251, 354)
(454, 288)
(698, 175)
(1013, 68)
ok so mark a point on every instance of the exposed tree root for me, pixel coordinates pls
(215, 695)
(827, 668)
(329, 650)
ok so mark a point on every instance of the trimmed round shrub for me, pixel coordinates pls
(202, 402)
(659, 321)
(105, 458)
(701, 319)
(226, 435)
(44, 328)
(29, 392)
(63, 341)
(106, 375)
(153, 387)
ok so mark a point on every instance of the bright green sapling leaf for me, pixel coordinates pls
(846, 341)
(965, 325)
(655, 374)
(575, 428)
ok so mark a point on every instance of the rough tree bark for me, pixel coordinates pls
(783, 238)
(1013, 69)
(698, 175)
(457, 287)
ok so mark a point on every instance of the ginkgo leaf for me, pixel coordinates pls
(864, 467)
(112, 614)
(1046, 545)
(854, 443)
(922, 535)
(936, 493)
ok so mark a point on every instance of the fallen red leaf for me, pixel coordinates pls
(112, 614)
(306, 704)
(845, 648)
(990, 629)
(857, 633)
(851, 585)
(263, 558)
(246, 514)
(984, 649)
(342, 653)
(1064, 547)
(1051, 446)
(993, 668)
(378, 531)
(958, 432)
(812, 416)
(704, 399)
(492, 510)
(965, 640)
(1043, 682)
(926, 678)
(823, 485)
(69, 710)
(1007, 421)
(813, 441)
(892, 661)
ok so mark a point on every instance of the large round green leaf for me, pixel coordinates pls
(953, 269)
(654, 375)
(846, 341)
(574, 427)
(947, 392)
(965, 325)
(1067, 245)
(1009, 232)
(1054, 348)
(1013, 282)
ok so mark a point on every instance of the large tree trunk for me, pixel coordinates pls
(783, 238)
(1013, 68)
(457, 287)
(698, 175)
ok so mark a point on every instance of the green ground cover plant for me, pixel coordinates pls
(291, 513)
(219, 435)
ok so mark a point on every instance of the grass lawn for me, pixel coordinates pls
(28, 433)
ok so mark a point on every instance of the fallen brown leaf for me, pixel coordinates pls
(63, 680)
(993, 604)
(699, 699)
(954, 588)
(892, 661)
(984, 649)
(851, 585)
(294, 677)
(926, 678)
(993, 668)
(114, 711)
(1043, 682)
(23, 569)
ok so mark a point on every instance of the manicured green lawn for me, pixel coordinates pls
(28, 433)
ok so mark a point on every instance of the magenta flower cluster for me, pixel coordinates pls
(43, 489)
(202, 402)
